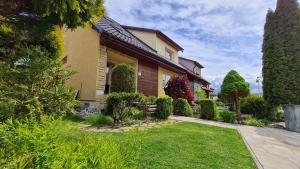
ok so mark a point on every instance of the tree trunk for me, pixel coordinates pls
(237, 108)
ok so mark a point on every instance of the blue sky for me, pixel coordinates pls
(220, 34)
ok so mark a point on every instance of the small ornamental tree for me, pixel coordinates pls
(178, 87)
(234, 88)
(123, 79)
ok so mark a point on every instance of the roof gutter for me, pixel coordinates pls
(112, 42)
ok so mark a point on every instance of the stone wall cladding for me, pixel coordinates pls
(86, 109)
(101, 68)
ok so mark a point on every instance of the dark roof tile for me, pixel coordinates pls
(106, 24)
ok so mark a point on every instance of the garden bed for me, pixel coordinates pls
(142, 125)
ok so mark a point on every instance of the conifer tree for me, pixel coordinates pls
(281, 54)
(234, 87)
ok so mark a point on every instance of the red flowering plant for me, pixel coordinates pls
(178, 87)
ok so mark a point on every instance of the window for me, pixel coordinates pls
(168, 54)
(166, 78)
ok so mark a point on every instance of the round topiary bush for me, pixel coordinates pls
(208, 109)
(123, 79)
(182, 108)
(164, 107)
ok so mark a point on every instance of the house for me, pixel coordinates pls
(93, 51)
(193, 70)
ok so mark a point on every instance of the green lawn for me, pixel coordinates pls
(61, 144)
(188, 145)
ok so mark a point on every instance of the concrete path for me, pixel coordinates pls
(271, 148)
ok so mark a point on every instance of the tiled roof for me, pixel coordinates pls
(195, 62)
(113, 28)
(195, 75)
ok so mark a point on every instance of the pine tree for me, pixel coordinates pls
(234, 87)
(281, 54)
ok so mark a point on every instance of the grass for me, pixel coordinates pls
(188, 145)
(98, 120)
(61, 144)
(254, 122)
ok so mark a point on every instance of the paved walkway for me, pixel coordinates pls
(271, 148)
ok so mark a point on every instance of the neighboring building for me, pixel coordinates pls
(93, 51)
(196, 80)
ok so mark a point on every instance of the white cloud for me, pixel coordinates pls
(220, 34)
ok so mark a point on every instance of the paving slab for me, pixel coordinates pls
(271, 148)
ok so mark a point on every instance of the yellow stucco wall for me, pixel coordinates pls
(147, 37)
(156, 43)
(162, 71)
(161, 47)
(82, 48)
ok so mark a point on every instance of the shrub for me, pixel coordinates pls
(123, 79)
(201, 94)
(34, 84)
(178, 87)
(164, 107)
(135, 113)
(208, 109)
(219, 103)
(99, 119)
(228, 116)
(58, 144)
(182, 108)
(151, 99)
(276, 114)
(254, 122)
(117, 102)
(255, 105)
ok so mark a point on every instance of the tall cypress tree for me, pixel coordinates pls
(281, 54)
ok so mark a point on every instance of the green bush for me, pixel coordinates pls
(256, 106)
(228, 116)
(182, 108)
(99, 119)
(58, 144)
(123, 79)
(276, 114)
(34, 85)
(117, 102)
(164, 107)
(254, 122)
(208, 109)
(219, 103)
(151, 99)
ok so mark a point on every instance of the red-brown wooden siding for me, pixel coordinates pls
(148, 80)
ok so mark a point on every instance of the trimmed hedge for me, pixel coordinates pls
(115, 101)
(182, 108)
(208, 109)
(123, 79)
(256, 106)
(164, 107)
(228, 116)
